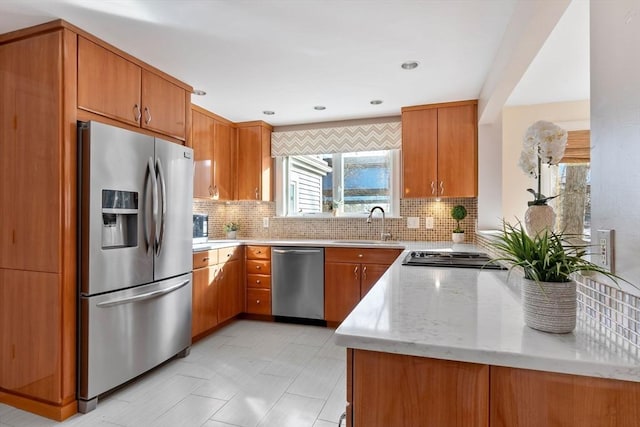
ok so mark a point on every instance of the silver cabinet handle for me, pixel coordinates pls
(442, 188)
(433, 188)
(257, 267)
(257, 194)
(147, 115)
(163, 192)
(137, 113)
(145, 226)
(364, 272)
(355, 272)
(142, 297)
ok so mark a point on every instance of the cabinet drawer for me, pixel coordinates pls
(260, 281)
(259, 252)
(361, 255)
(259, 301)
(258, 267)
(230, 253)
(205, 258)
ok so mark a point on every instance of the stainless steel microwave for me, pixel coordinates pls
(200, 228)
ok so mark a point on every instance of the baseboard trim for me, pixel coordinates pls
(47, 410)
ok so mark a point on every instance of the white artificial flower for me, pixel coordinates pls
(529, 163)
(546, 139)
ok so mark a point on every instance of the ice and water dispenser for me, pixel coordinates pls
(119, 219)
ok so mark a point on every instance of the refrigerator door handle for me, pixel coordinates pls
(154, 197)
(142, 297)
(163, 193)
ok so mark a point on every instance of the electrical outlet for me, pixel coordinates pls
(413, 222)
(265, 222)
(604, 257)
(429, 223)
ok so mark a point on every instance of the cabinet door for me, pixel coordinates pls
(30, 175)
(30, 352)
(205, 300)
(371, 273)
(202, 131)
(392, 389)
(249, 163)
(525, 398)
(420, 153)
(222, 156)
(108, 84)
(457, 151)
(341, 290)
(163, 106)
(230, 301)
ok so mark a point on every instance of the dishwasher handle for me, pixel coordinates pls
(297, 251)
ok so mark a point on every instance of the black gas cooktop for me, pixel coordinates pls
(451, 259)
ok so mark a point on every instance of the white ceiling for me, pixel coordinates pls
(290, 55)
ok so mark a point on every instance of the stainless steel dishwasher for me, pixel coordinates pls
(297, 282)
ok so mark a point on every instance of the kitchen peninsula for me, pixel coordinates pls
(426, 343)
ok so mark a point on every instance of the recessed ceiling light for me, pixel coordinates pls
(199, 92)
(376, 102)
(409, 65)
(268, 112)
(319, 107)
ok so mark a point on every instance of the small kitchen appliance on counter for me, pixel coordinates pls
(135, 256)
(200, 228)
(451, 259)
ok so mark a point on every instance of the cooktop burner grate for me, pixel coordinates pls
(451, 259)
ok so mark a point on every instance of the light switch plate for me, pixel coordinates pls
(429, 223)
(265, 222)
(413, 222)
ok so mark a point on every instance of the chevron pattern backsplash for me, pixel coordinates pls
(378, 136)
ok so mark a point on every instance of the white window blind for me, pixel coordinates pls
(371, 137)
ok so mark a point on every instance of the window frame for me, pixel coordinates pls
(282, 194)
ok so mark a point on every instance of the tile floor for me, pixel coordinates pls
(248, 374)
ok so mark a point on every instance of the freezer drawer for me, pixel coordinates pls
(126, 333)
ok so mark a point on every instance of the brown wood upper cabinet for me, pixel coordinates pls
(255, 165)
(213, 144)
(113, 86)
(440, 150)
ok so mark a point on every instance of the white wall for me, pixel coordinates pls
(515, 121)
(615, 128)
(490, 175)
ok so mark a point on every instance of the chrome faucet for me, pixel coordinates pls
(383, 235)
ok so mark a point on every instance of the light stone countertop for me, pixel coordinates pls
(475, 316)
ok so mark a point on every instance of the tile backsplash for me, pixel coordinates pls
(249, 215)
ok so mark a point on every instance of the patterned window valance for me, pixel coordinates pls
(378, 136)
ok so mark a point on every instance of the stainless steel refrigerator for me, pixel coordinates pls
(135, 256)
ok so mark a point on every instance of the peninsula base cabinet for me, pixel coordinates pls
(394, 390)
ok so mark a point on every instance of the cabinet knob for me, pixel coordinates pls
(360, 255)
(258, 252)
(257, 267)
(205, 259)
(257, 301)
(228, 255)
(258, 281)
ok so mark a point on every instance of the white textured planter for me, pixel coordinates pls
(552, 310)
(231, 234)
(538, 218)
(457, 237)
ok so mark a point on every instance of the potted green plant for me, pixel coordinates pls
(231, 229)
(458, 213)
(549, 261)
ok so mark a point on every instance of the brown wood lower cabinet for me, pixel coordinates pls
(525, 398)
(258, 280)
(349, 273)
(391, 390)
(230, 290)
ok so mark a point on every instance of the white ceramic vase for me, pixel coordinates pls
(457, 237)
(231, 234)
(549, 306)
(539, 218)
